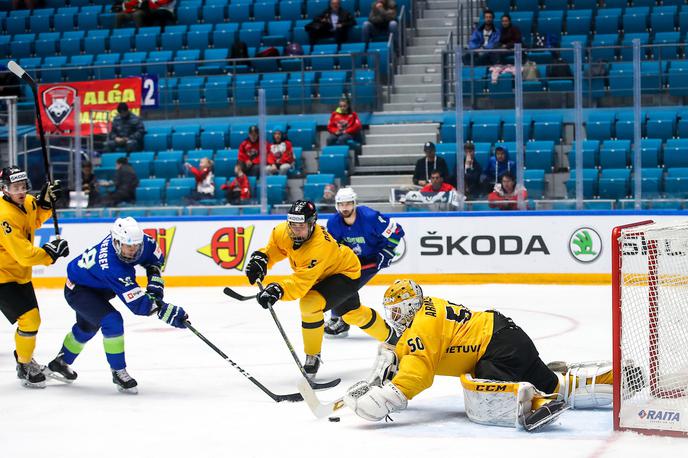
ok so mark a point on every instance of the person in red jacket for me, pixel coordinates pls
(437, 183)
(205, 179)
(505, 195)
(344, 124)
(280, 154)
(249, 152)
(238, 191)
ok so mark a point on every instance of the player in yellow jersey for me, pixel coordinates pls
(20, 215)
(505, 382)
(325, 278)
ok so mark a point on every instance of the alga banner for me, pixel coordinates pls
(99, 100)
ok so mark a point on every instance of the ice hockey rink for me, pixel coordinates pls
(191, 403)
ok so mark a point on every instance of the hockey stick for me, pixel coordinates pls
(318, 386)
(319, 409)
(21, 74)
(294, 397)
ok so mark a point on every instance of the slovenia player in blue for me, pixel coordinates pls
(370, 234)
(102, 272)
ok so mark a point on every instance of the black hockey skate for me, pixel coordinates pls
(312, 365)
(125, 383)
(336, 327)
(59, 370)
(544, 415)
(30, 374)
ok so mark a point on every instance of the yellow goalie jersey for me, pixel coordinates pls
(318, 258)
(17, 251)
(444, 339)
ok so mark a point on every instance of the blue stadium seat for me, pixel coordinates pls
(534, 182)
(156, 141)
(486, 128)
(274, 85)
(168, 164)
(315, 7)
(547, 127)
(87, 20)
(189, 93)
(676, 153)
(278, 33)
(334, 163)
(591, 150)
(217, 91)
(225, 211)
(290, 10)
(301, 88)
(614, 154)
(267, 64)
(79, 68)
(184, 141)
(214, 137)
(350, 49)
(51, 70)
(198, 154)
(663, 18)
(122, 40)
(523, 20)
(590, 177)
(579, 22)
(382, 50)
(625, 125)
(188, 14)
(302, 134)
(238, 134)
(661, 124)
(613, 183)
(527, 5)
(251, 33)
(245, 86)
(224, 163)
(46, 45)
(331, 86)
(299, 34)
(22, 45)
(276, 188)
(676, 183)
(678, 78)
(604, 39)
(649, 152)
(158, 63)
(70, 43)
(499, 5)
(16, 24)
(600, 125)
(621, 78)
(627, 51)
(213, 14)
(95, 44)
(584, 4)
(173, 39)
(142, 164)
(225, 34)
(185, 62)
(364, 88)
(30, 63)
(652, 183)
(150, 192)
(635, 19)
(325, 62)
(216, 61)
(509, 129)
(132, 64)
(39, 23)
(239, 12)
(669, 48)
(595, 86)
(539, 155)
(179, 190)
(265, 10)
(198, 36)
(550, 21)
(106, 66)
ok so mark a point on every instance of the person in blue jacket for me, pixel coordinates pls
(102, 272)
(497, 166)
(372, 236)
(485, 36)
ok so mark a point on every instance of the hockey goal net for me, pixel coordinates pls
(650, 320)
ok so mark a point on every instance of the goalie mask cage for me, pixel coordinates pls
(650, 327)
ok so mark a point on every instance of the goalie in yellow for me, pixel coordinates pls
(325, 278)
(504, 380)
(20, 215)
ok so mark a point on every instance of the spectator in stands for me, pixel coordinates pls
(509, 34)
(437, 183)
(144, 13)
(382, 19)
(280, 154)
(335, 22)
(327, 203)
(425, 165)
(238, 191)
(89, 184)
(205, 179)
(125, 183)
(249, 152)
(498, 165)
(485, 37)
(506, 194)
(472, 172)
(345, 125)
(127, 131)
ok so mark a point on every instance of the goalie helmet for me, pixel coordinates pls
(402, 300)
(126, 231)
(301, 212)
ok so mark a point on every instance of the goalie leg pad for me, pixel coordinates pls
(495, 403)
(586, 385)
(374, 403)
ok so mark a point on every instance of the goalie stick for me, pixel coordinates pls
(294, 397)
(319, 409)
(315, 385)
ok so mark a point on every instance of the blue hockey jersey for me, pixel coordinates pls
(100, 268)
(371, 233)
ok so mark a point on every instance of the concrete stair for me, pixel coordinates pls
(376, 188)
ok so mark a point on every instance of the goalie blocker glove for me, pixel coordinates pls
(58, 248)
(172, 315)
(270, 295)
(257, 267)
(156, 285)
(50, 193)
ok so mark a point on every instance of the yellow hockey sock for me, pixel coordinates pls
(312, 322)
(369, 321)
(25, 337)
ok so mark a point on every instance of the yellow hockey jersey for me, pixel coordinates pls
(318, 258)
(17, 251)
(444, 339)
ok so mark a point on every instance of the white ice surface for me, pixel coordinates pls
(191, 403)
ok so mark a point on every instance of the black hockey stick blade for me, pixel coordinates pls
(234, 295)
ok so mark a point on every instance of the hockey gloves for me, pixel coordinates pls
(374, 403)
(257, 267)
(271, 294)
(57, 248)
(51, 192)
(385, 258)
(156, 285)
(172, 315)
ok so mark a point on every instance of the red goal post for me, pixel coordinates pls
(650, 327)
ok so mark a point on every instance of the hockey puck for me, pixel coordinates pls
(334, 419)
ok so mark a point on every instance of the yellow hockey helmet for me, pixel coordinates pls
(402, 300)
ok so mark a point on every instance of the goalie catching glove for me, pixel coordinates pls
(374, 403)
(270, 295)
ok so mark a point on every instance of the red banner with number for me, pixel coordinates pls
(99, 100)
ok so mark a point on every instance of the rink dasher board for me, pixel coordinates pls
(486, 247)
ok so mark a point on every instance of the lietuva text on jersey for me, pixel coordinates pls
(17, 250)
(370, 233)
(444, 339)
(318, 258)
(100, 268)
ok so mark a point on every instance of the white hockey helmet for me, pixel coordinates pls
(126, 231)
(345, 195)
(401, 302)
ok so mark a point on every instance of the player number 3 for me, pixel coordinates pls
(6, 226)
